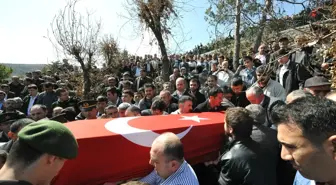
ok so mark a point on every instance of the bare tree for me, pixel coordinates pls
(156, 16)
(76, 35)
(237, 35)
(109, 48)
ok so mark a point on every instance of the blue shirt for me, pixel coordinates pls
(185, 175)
(300, 180)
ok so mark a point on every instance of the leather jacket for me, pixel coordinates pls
(245, 163)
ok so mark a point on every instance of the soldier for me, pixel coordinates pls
(90, 108)
(39, 154)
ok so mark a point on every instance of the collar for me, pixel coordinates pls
(251, 70)
(263, 100)
(180, 93)
(286, 65)
(179, 171)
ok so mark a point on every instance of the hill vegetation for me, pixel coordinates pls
(21, 69)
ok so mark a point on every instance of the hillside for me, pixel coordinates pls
(21, 69)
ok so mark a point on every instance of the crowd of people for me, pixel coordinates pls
(275, 97)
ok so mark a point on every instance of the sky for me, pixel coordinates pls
(24, 25)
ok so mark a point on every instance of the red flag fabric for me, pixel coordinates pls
(111, 150)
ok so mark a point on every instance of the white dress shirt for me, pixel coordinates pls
(262, 58)
(31, 103)
(283, 70)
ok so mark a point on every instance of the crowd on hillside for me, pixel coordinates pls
(263, 82)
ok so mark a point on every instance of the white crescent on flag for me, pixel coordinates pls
(135, 135)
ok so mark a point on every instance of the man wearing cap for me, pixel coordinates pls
(6, 119)
(39, 154)
(318, 86)
(90, 108)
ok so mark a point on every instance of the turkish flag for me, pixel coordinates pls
(111, 150)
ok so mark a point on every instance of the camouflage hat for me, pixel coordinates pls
(50, 137)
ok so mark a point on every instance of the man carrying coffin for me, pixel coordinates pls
(170, 168)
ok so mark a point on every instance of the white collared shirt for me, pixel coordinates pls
(283, 70)
(274, 89)
(137, 71)
(31, 103)
(176, 112)
(262, 58)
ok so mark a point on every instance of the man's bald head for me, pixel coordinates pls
(331, 96)
(180, 80)
(164, 92)
(170, 145)
(296, 95)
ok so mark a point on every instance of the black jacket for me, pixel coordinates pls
(294, 78)
(145, 104)
(240, 100)
(198, 98)
(25, 105)
(10, 94)
(205, 107)
(245, 163)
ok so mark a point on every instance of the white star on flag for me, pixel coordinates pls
(193, 118)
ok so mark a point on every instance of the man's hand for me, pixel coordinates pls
(240, 67)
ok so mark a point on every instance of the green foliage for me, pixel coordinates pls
(222, 13)
(5, 72)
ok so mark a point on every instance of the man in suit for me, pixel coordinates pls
(256, 96)
(198, 97)
(291, 75)
(31, 99)
(142, 79)
(181, 89)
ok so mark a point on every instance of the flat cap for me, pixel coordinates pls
(50, 137)
(87, 105)
(317, 81)
(8, 117)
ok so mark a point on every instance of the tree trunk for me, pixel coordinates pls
(237, 36)
(268, 4)
(164, 55)
(87, 83)
(86, 77)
